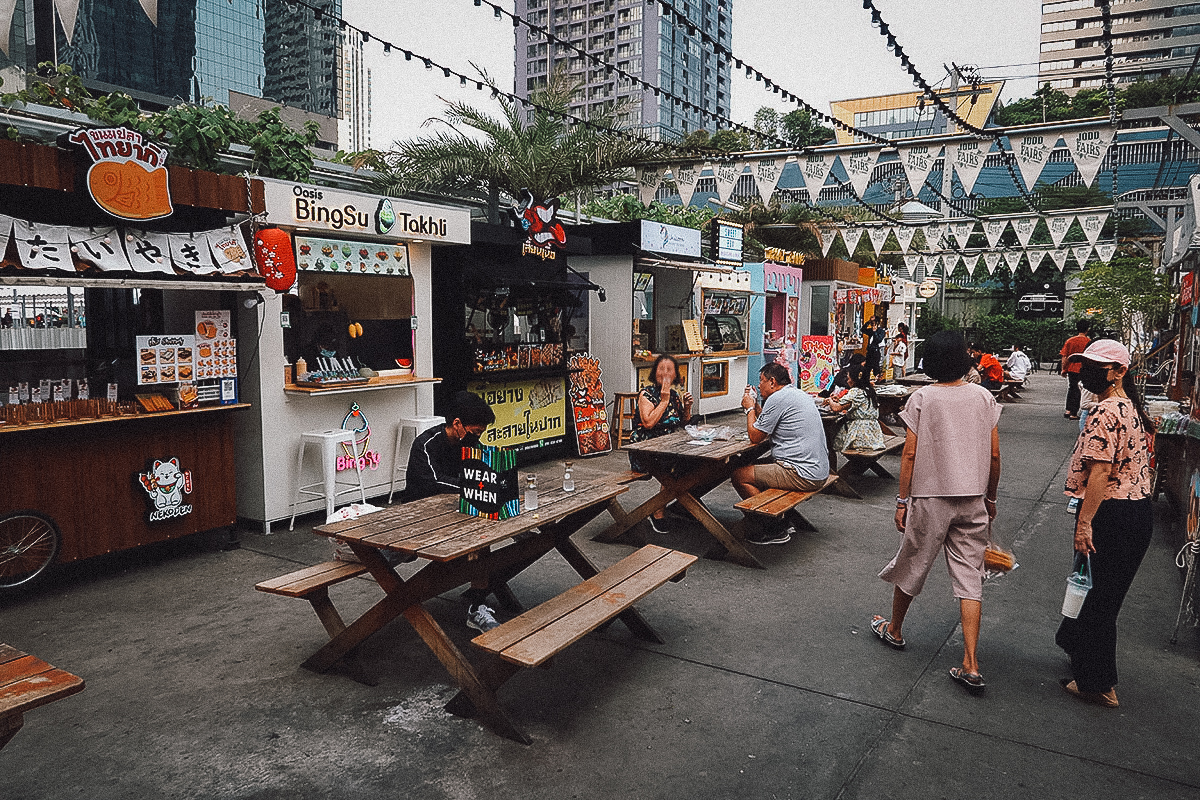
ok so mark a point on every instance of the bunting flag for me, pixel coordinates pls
(726, 174)
(879, 235)
(1013, 259)
(934, 233)
(1106, 251)
(7, 7)
(1081, 253)
(1031, 152)
(859, 165)
(1023, 227)
(43, 246)
(816, 167)
(851, 237)
(961, 232)
(1088, 148)
(918, 162)
(67, 11)
(991, 259)
(993, 229)
(1059, 225)
(1092, 225)
(148, 251)
(686, 178)
(826, 236)
(151, 9)
(911, 260)
(648, 180)
(767, 172)
(932, 264)
(904, 236)
(1059, 256)
(100, 247)
(228, 250)
(190, 252)
(967, 158)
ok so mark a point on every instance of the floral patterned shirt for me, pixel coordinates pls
(1114, 434)
(671, 420)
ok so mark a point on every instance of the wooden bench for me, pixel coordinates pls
(777, 502)
(312, 583)
(1008, 391)
(630, 476)
(27, 682)
(859, 461)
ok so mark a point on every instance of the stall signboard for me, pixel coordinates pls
(539, 220)
(324, 209)
(818, 362)
(166, 359)
(128, 177)
(587, 405)
(165, 484)
(356, 422)
(857, 295)
(778, 255)
(216, 349)
(489, 483)
(315, 254)
(670, 240)
(1186, 288)
(727, 243)
(927, 289)
(529, 413)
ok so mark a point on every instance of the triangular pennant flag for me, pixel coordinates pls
(851, 237)
(910, 264)
(1059, 225)
(826, 235)
(7, 7)
(1023, 227)
(815, 167)
(726, 174)
(934, 233)
(228, 250)
(879, 235)
(962, 232)
(1012, 258)
(1106, 251)
(1032, 151)
(190, 253)
(967, 158)
(100, 247)
(904, 236)
(766, 176)
(67, 11)
(918, 162)
(148, 251)
(1059, 256)
(43, 246)
(1081, 253)
(1088, 148)
(1092, 224)
(859, 165)
(991, 259)
(151, 9)
(648, 179)
(686, 178)
(993, 229)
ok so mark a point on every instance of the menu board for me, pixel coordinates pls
(315, 254)
(587, 405)
(165, 359)
(216, 349)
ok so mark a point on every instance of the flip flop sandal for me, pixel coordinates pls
(880, 626)
(971, 680)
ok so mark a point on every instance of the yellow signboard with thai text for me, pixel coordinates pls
(529, 413)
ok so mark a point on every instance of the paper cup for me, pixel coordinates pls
(1073, 600)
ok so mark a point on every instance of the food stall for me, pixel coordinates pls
(116, 432)
(724, 303)
(837, 303)
(780, 280)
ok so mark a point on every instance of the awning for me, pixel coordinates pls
(645, 261)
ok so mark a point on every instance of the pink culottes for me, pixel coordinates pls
(957, 524)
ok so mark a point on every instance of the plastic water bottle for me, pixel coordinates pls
(568, 481)
(531, 497)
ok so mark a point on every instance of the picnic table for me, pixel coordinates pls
(460, 549)
(916, 379)
(27, 682)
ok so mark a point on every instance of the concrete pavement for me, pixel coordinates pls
(770, 683)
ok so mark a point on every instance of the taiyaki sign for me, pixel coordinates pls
(128, 174)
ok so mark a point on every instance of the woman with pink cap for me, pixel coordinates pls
(1110, 474)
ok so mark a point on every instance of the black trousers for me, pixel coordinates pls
(1073, 393)
(1121, 532)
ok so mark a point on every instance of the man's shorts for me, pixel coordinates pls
(777, 476)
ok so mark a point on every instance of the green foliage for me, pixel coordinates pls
(281, 151)
(931, 321)
(196, 135)
(1129, 296)
(1042, 339)
(1051, 105)
(802, 130)
(627, 207)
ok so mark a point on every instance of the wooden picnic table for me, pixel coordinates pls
(916, 379)
(460, 549)
(27, 682)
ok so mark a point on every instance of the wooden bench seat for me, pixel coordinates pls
(630, 476)
(542, 632)
(776, 502)
(859, 461)
(27, 682)
(1009, 391)
(312, 583)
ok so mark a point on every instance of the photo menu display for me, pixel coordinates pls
(166, 359)
(216, 349)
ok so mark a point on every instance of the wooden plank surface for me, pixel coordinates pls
(303, 581)
(680, 444)
(759, 500)
(28, 682)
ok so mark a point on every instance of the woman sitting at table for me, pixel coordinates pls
(660, 410)
(861, 406)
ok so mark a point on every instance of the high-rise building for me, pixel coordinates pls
(354, 127)
(1151, 39)
(301, 56)
(632, 36)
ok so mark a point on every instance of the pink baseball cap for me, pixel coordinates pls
(1104, 351)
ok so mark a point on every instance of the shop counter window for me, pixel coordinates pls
(518, 327)
(644, 378)
(643, 312)
(714, 378)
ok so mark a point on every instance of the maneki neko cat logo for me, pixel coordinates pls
(128, 175)
(356, 422)
(166, 484)
(540, 223)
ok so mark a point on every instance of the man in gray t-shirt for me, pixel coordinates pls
(789, 418)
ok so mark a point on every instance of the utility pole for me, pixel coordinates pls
(947, 176)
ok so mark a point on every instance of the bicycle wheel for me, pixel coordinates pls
(29, 543)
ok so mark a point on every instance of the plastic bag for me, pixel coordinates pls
(341, 550)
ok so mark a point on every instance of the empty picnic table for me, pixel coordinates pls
(460, 549)
(27, 682)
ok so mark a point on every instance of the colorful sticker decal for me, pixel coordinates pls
(818, 363)
(356, 421)
(166, 484)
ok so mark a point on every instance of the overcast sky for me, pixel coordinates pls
(822, 50)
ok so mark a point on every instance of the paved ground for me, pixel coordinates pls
(770, 684)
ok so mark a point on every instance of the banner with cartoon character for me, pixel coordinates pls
(165, 483)
(818, 363)
(586, 393)
(539, 221)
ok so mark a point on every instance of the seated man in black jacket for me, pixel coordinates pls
(435, 467)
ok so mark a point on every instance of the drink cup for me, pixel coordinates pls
(1077, 591)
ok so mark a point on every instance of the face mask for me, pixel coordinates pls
(1094, 378)
(470, 440)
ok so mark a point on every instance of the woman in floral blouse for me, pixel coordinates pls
(1110, 473)
(661, 409)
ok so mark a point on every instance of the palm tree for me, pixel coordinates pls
(524, 147)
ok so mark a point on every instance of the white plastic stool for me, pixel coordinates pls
(326, 443)
(406, 433)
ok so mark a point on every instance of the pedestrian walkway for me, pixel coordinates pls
(770, 683)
